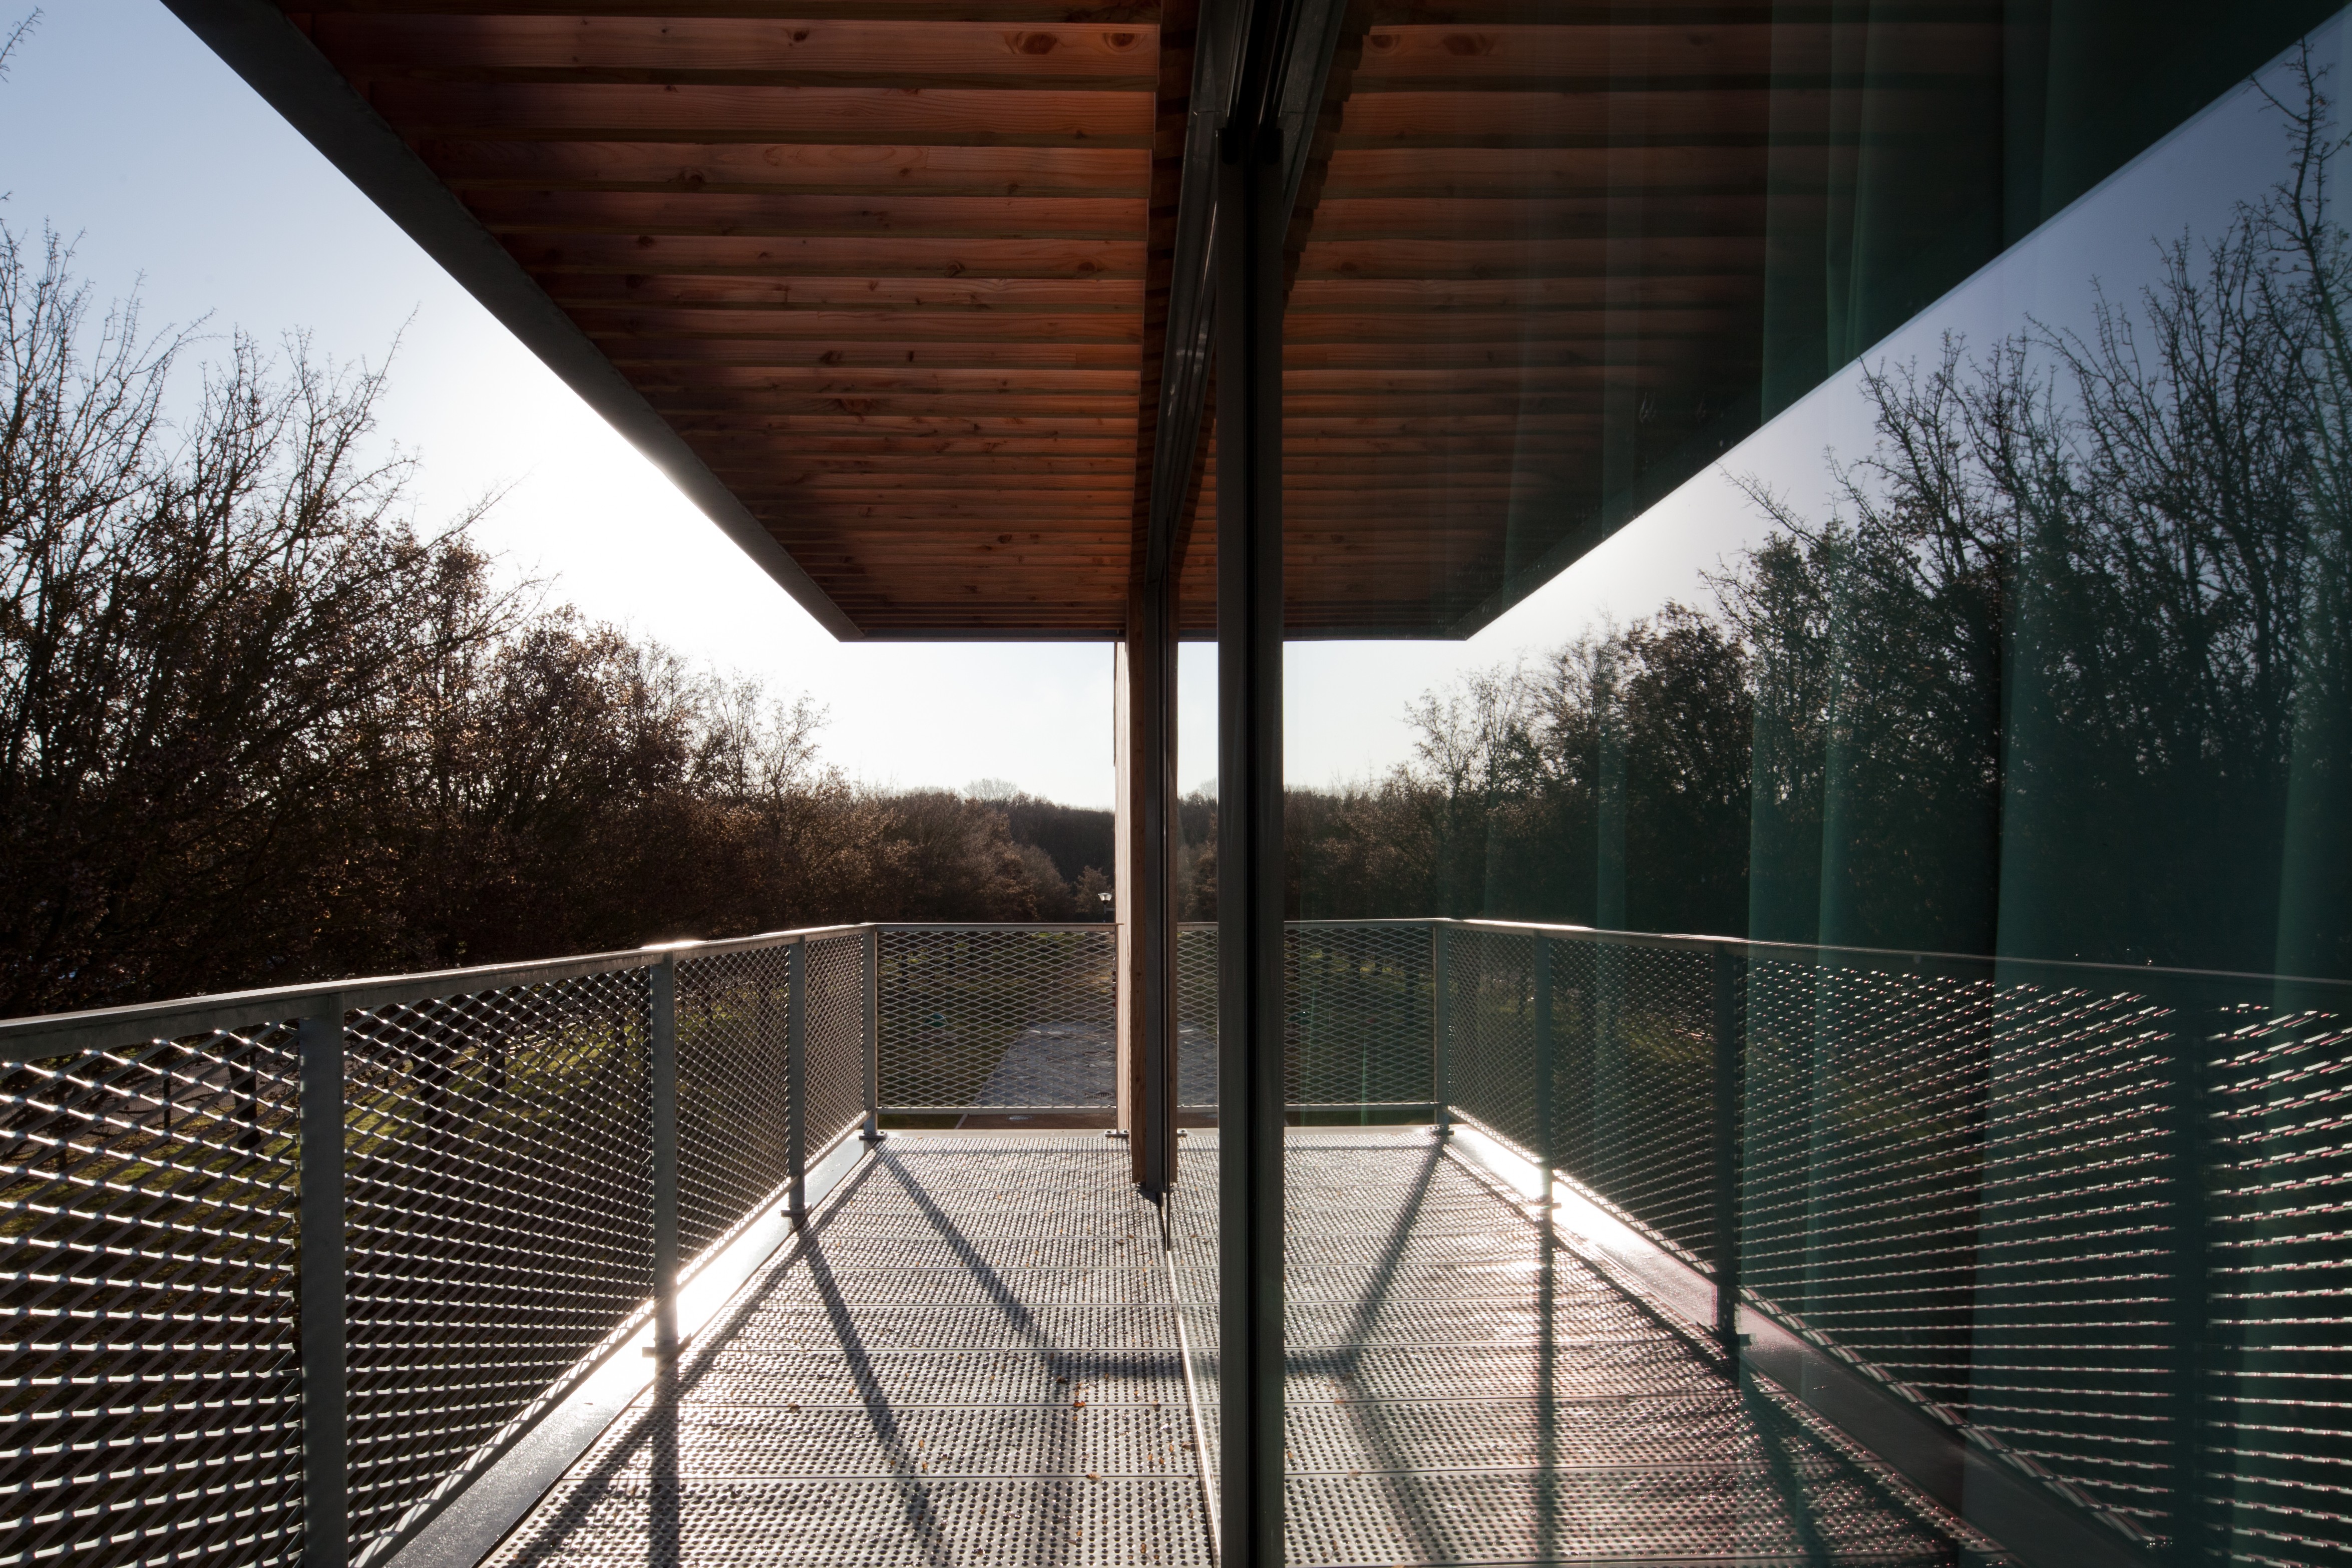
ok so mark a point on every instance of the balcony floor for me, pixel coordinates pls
(974, 1359)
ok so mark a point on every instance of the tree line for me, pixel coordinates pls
(2065, 672)
(257, 727)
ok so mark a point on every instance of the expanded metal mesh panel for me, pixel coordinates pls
(1357, 1008)
(499, 1164)
(2276, 1128)
(151, 1349)
(2102, 1225)
(1196, 1018)
(734, 1100)
(1358, 999)
(1490, 1017)
(1634, 1028)
(1865, 1149)
(2048, 1156)
(972, 1017)
(835, 1037)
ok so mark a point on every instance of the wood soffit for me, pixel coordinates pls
(896, 270)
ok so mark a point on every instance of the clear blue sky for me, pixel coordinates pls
(121, 131)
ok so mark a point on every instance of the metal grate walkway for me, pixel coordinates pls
(974, 1359)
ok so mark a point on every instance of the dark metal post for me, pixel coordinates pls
(1441, 1029)
(326, 1528)
(1727, 1099)
(796, 1079)
(870, 1007)
(1250, 1110)
(662, 1072)
(1151, 860)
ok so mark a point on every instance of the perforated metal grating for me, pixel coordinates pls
(901, 1388)
(499, 1160)
(150, 1349)
(980, 1019)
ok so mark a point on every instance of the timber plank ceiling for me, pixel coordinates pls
(895, 272)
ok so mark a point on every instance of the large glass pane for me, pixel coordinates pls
(1882, 472)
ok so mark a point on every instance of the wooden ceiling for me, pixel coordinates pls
(895, 269)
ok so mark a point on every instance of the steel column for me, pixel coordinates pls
(1250, 222)
(662, 1074)
(1151, 744)
(326, 1531)
(796, 1079)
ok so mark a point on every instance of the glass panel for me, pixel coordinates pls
(1885, 467)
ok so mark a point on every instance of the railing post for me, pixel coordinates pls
(664, 1075)
(871, 992)
(1728, 1086)
(326, 1528)
(1441, 1030)
(1543, 1051)
(1547, 1278)
(796, 1079)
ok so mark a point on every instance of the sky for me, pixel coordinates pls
(173, 181)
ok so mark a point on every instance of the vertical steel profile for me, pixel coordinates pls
(1251, 216)
(797, 1079)
(1729, 1082)
(1150, 745)
(1441, 1028)
(662, 1085)
(869, 990)
(326, 1528)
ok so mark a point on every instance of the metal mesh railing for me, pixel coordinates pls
(1196, 1018)
(1491, 1024)
(154, 1391)
(1004, 1019)
(498, 1158)
(481, 1232)
(1359, 1000)
(734, 1103)
(836, 1035)
(1635, 1115)
(2272, 1103)
(2095, 1218)
(1359, 1003)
